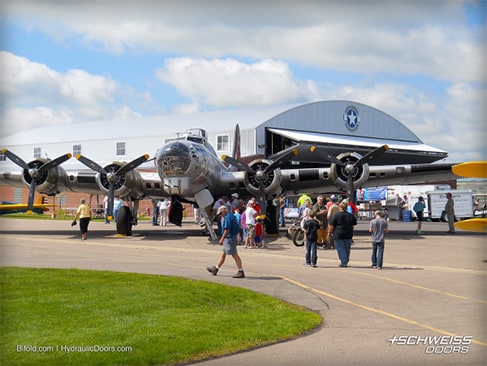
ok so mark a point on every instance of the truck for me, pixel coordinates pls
(464, 204)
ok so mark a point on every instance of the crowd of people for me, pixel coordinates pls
(328, 222)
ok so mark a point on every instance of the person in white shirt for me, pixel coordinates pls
(250, 215)
(163, 210)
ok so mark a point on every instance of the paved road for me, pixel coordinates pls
(432, 285)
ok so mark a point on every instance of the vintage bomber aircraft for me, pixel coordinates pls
(189, 170)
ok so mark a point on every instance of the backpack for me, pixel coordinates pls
(234, 225)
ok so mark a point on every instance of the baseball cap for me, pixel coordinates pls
(221, 209)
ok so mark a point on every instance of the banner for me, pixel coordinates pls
(371, 194)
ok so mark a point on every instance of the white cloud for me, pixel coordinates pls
(22, 119)
(229, 82)
(225, 54)
(426, 38)
(187, 108)
(34, 95)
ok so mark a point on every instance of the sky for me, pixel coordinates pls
(67, 62)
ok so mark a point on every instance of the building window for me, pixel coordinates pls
(37, 152)
(2, 156)
(76, 150)
(222, 142)
(120, 148)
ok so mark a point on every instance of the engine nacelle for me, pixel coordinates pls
(271, 179)
(48, 181)
(339, 174)
(129, 184)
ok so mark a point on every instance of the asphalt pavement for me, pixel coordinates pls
(427, 306)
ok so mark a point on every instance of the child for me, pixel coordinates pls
(311, 228)
(378, 228)
(259, 234)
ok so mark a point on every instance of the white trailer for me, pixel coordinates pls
(403, 197)
(463, 200)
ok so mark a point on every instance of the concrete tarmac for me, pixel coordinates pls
(427, 306)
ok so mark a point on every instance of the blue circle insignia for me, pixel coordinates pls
(351, 118)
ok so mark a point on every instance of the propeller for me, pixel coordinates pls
(112, 175)
(349, 167)
(261, 172)
(36, 170)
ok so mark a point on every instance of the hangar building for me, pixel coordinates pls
(339, 125)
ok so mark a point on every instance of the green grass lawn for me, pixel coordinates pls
(75, 317)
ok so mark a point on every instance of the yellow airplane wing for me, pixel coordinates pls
(477, 224)
(471, 169)
(22, 207)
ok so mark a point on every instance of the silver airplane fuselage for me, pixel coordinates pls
(187, 166)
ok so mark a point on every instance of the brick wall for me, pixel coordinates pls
(70, 200)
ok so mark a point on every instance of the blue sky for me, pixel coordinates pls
(419, 61)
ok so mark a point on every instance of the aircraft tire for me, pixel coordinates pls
(124, 221)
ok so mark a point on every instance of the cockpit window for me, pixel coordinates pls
(174, 159)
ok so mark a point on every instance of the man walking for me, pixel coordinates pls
(230, 230)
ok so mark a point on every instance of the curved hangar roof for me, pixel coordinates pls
(338, 125)
(342, 126)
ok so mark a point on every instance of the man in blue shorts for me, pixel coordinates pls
(230, 230)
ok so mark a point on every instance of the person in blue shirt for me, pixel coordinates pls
(229, 240)
(419, 209)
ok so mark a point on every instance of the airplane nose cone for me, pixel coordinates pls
(174, 159)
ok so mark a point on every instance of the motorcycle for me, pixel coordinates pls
(296, 233)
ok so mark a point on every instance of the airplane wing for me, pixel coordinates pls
(474, 169)
(9, 208)
(259, 177)
(330, 179)
(188, 170)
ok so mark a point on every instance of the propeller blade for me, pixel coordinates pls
(91, 164)
(261, 198)
(32, 192)
(111, 200)
(236, 143)
(54, 163)
(281, 160)
(132, 165)
(17, 160)
(240, 165)
(372, 155)
(350, 188)
(325, 155)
